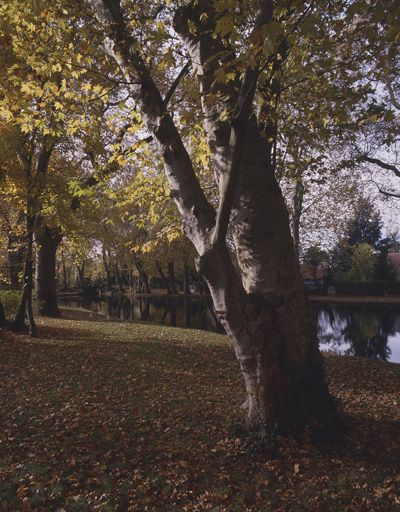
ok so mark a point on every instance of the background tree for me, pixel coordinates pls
(315, 257)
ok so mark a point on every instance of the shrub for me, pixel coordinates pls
(10, 300)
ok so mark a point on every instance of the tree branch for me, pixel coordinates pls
(241, 115)
(382, 164)
(184, 71)
(198, 214)
(392, 96)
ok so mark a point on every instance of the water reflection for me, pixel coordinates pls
(351, 329)
(195, 313)
(357, 330)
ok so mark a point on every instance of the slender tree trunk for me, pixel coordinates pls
(296, 213)
(25, 305)
(171, 277)
(47, 241)
(146, 282)
(81, 275)
(3, 321)
(186, 283)
(118, 278)
(187, 311)
(15, 254)
(144, 307)
(143, 276)
(64, 270)
(163, 278)
(107, 269)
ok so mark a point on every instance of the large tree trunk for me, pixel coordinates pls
(263, 307)
(266, 313)
(47, 242)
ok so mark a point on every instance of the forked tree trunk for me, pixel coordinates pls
(47, 241)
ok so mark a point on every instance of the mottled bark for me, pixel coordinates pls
(262, 307)
(47, 241)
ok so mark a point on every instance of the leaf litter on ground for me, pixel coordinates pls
(100, 416)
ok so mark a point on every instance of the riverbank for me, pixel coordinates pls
(353, 299)
(118, 416)
(338, 299)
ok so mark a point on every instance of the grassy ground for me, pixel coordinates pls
(132, 417)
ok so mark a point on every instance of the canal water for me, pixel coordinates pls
(371, 331)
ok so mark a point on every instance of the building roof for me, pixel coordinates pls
(394, 258)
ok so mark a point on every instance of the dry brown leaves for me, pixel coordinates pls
(130, 417)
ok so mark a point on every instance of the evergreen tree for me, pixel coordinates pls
(363, 229)
(365, 226)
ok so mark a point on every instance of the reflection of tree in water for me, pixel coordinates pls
(181, 312)
(365, 330)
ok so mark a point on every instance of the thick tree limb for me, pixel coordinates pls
(184, 71)
(389, 194)
(393, 99)
(210, 55)
(197, 212)
(242, 112)
(382, 164)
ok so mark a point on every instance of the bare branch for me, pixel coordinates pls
(382, 164)
(392, 96)
(184, 71)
